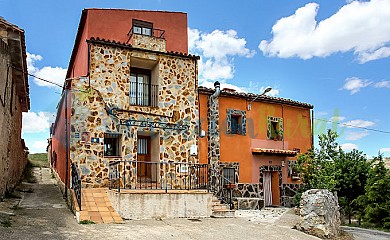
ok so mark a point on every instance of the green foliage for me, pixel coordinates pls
(38, 160)
(317, 165)
(86, 222)
(375, 203)
(6, 223)
(353, 169)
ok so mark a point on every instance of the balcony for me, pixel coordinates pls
(147, 38)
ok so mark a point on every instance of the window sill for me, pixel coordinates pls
(112, 156)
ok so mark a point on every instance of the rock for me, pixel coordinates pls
(320, 211)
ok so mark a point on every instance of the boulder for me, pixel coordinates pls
(320, 211)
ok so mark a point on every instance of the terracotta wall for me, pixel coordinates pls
(58, 144)
(114, 24)
(237, 148)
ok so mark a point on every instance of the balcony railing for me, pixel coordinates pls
(143, 94)
(157, 175)
(155, 32)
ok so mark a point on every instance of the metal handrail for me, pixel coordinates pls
(229, 198)
(157, 33)
(157, 175)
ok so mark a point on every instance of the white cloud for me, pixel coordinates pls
(209, 84)
(36, 122)
(354, 84)
(217, 50)
(337, 118)
(348, 146)
(382, 84)
(353, 136)
(53, 74)
(360, 26)
(37, 146)
(382, 150)
(359, 123)
(273, 93)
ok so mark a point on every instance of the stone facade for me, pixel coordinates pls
(13, 101)
(147, 42)
(101, 104)
(287, 194)
(320, 211)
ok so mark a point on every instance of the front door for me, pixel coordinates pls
(267, 188)
(271, 188)
(144, 160)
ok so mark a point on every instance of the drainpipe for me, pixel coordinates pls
(217, 87)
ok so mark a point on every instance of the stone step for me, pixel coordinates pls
(223, 213)
(219, 206)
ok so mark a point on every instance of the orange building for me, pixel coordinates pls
(256, 138)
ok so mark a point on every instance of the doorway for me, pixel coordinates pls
(144, 165)
(271, 180)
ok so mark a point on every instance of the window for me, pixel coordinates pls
(140, 87)
(275, 128)
(112, 144)
(236, 122)
(142, 28)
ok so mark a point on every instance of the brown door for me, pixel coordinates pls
(143, 158)
(275, 189)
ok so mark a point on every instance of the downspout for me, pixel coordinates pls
(217, 87)
(312, 128)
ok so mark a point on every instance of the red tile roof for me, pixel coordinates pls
(274, 151)
(258, 97)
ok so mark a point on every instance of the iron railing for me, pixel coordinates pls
(76, 183)
(155, 32)
(157, 175)
(226, 182)
(143, 94)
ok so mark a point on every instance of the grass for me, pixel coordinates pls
(86, 222)
(28, 174)
(368, 226)
(6, 223)
(39, 160)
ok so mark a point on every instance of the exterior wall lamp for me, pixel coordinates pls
(268, 89)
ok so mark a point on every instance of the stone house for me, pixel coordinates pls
(132, 120)
(14, 99)
(128, 114)
(253, 141)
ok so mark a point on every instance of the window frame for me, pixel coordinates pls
(241, 115)
(138, 100)
(142, 25)
(117, 137)
(275, 128)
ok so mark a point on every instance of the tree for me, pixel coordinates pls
(317, 166)
(352, 174)
(375, 203)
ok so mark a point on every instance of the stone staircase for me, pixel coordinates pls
(220, 210)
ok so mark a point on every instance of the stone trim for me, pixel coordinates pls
(271, 119)
(234, 112)
(273, 168)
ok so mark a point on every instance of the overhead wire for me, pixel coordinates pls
(353, 126)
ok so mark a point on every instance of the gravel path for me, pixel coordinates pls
(41, 214)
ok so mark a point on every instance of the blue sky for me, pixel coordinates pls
(332, 54)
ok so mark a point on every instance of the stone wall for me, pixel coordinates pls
(13, 156)
(108, 88)
(148, 42)
(288, 192)
(320, 211)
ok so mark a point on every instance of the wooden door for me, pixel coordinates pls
(144, 158)
(275, 189)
